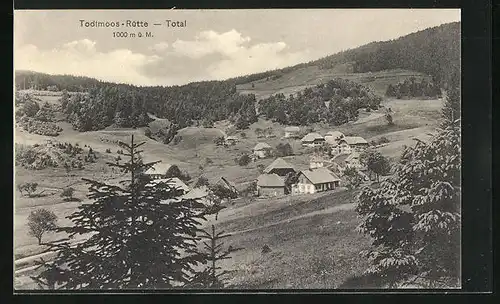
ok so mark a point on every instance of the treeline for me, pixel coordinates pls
(41, 81)
(127, 106)
(434, 51)
(335, 102)
(412, 88)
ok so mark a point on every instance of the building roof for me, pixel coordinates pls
(320, 176)
(224, 182)
(174, 182)
(352, 156)
(231, 138)
(292, 129)
(197, 193)
(278, 163)
(332, 141)
(334, 134)
(261, 146)
(270, 180)
(312, 137)
(158, 168)
(354, 140)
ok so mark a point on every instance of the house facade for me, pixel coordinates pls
(315, 180)
(312, 140)
(351, 144)
(262, 150)
(270, 185)
(292, 132)
(230, 140)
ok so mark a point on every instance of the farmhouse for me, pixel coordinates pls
(280, 167)
(352, 161)
(270, 185)
(333, 137)
(173, 182)
(349, 144)
(312, 140)
(230, 140)
(262, 150)
(158, 171)
(292, 132)
(315, 180)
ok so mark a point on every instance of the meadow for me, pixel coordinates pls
(312, 237)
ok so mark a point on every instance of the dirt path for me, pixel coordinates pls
(343, 207)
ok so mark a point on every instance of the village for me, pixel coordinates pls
(329, 155)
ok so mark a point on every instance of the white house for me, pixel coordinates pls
(312, 140)
(292, 132)
(262, 150)
(230, 140)
(349, 144)
(315, 180)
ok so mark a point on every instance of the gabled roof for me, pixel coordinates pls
(312, 137)
(292, 129)
(197, 193)
(320, 175)
(278, 163)
(354, 140)
(332, 141)
(352, 156)
(224, 182)
(270, 180)
(261, 146)
(158, 168)
(174, 182)
(334, 134)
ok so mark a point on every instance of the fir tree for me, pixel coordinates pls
(142, 235)
(413, 218)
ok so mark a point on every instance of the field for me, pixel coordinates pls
(312, 237)
(300, 79)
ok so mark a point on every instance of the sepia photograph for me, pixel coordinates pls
(264, 149)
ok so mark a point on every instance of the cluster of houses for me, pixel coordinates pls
(345, 151)
(282, 178)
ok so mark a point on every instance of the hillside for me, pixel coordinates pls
(312, 237)
(431, 53)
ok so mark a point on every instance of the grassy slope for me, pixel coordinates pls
(300, 79)
(299, 246)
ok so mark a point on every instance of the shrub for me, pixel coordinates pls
(244, 160)
(68, 193)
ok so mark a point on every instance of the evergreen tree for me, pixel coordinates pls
(142, 235)
(413, 218)
(213, 251)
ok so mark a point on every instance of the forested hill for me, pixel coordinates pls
(433, 51)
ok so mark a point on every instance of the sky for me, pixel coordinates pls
(213, 44)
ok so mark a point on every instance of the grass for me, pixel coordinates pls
(320, 250)
(316, 252)
(300, 79)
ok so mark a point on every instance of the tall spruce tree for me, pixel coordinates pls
(141, 235)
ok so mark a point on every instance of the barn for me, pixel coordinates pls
(280, 167)
(270, 185)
